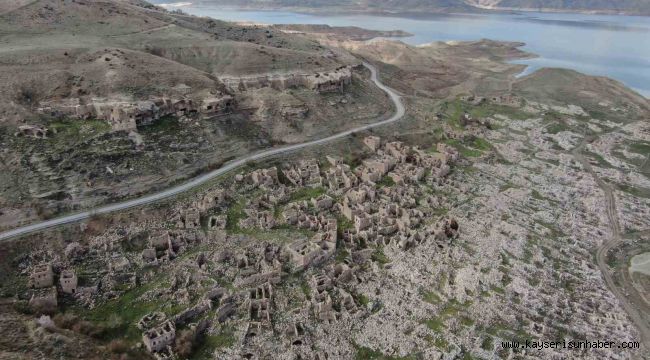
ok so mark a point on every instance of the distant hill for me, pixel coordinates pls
(628, 7)
(640, 7)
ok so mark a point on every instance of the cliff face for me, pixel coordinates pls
(630, 7)
(321, 82)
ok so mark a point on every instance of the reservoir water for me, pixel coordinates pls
(613, 46)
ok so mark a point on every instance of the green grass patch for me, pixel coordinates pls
(225, 339)
(497, 329)
(361, 299)
(233, 215)
(528, 255)
(386, 181)
(453, 307)
(557, 127)
(534, 282)
(341, 255)
(536, 195)
(599, 159)
(464, 151)
(441, 211)
(120, 315)
(467, 356)
(506, 186)
(165, 124)
(365, 353)
(442, 282)
(636, 191)
(498, 290)
(79, 128)
(555, 231)
(379, 257)
(481, 144)
(304, 287)
(640, 147)
(466, 321)
(431, 297)
(343, 223)
(441, 343)
(306, 193)
(453, 111)
(487, 343)
(436, 324)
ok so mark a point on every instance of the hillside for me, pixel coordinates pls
(104, 100)
(628, 7)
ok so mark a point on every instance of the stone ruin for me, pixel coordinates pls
(305, 173)
(68, 280)
(160, 337)
(44, 293)
(42, 276)
(126, 115)
(322, 82)
(357, 214)
(33, 131)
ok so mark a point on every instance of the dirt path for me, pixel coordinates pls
(15, 5)
(632, 303)
(163, 27)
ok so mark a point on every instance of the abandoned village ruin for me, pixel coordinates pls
(352, 215)
(127, 115)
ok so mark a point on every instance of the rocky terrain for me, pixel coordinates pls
(377, 251)
(499, 209)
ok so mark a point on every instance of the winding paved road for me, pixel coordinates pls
(152, 198)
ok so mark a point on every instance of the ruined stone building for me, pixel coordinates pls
(305, 173)
(42, 276)
(372, 142)
(68, 281)
(160, 337)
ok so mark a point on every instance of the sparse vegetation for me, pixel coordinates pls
(448, 290)
(379, 256)
(386, 181)
(431, 297)
(365, 353)
(225, 338)
(435, 324)
(306, 193)
(234, 215)
(488, 343)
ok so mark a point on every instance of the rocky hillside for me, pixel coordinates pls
(107, 99)
(628, 7)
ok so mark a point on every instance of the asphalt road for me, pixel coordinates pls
(165, 194)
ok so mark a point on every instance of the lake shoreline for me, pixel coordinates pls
(610, 46)
(413, 14)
